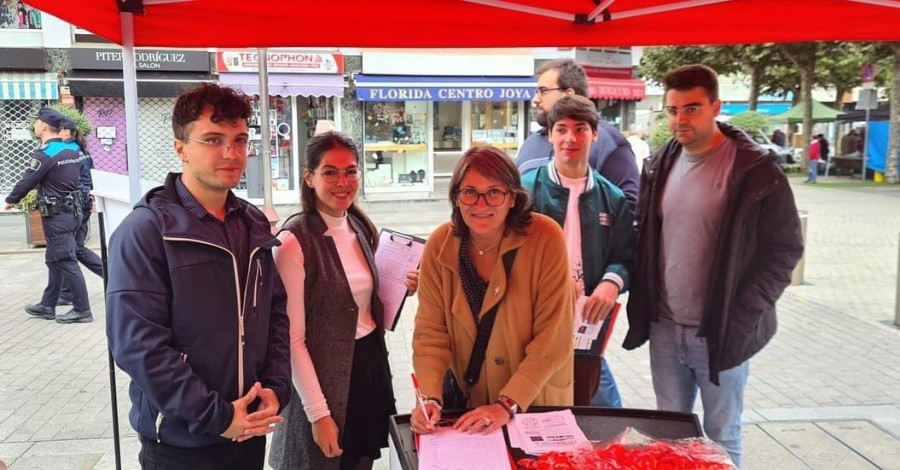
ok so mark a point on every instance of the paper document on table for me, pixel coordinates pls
(584, 332)
(539, 433)
(449, 449)
(397, 255)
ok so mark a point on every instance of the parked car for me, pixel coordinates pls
(783, 155)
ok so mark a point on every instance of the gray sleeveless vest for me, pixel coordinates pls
(331, 317)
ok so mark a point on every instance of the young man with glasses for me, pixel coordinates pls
(610, 154)
(718, 238)
(195, 307)
(599, 231)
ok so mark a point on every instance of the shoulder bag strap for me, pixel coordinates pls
(476, 361)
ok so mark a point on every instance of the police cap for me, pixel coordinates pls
(51, 117)
(68, 124)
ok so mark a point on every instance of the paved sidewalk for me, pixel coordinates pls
(824, 394)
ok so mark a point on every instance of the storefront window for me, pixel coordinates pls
(281, 133)
(611, 111)
(396, 150)
(496, 123)
(447, 125)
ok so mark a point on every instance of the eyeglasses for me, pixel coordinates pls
(333, 175)
(240, 145)
(493, 197)
(542, 91)
(691, 110)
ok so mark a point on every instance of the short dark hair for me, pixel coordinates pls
(494, 164)
(688, 77)
(226, 105)
(571, 75)
(315, 150)
(574, 107)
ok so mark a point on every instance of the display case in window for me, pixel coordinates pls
(396, 145)
(280, 146)
(496, 123)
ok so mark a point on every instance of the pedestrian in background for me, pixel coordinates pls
(639, 146)
(815, 152)
(338, 417)
(599, 231)
(495, 261)
(195, 309)
(70, 133)
(718, 238)
(55, 170)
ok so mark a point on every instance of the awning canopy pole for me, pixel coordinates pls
(883, 3)
(664, 8)
(129, 79)
(597, 11)
(525, 9)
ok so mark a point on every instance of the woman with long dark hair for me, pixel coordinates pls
(338, 417)
(494, 259)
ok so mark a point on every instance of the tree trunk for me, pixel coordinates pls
(890, 167)
(755, 84)
(839, 101)
(806, 78)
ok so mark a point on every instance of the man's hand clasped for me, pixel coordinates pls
(246, 425)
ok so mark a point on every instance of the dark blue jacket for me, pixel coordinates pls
(54, 168)
(611, 156)
(192, 336)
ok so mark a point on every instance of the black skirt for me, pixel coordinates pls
(370, 402)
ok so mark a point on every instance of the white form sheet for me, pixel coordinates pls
(449, 449)
(397, 255)
(552, 431)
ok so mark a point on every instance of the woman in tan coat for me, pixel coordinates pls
(529, 355)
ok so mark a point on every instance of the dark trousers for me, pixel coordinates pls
(85, 256)
(248, 455)
(587, 377)
(62, 263)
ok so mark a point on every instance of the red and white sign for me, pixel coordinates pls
(615, 88)
(608, 72)
(281, 62)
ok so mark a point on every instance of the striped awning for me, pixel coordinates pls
(28, 86)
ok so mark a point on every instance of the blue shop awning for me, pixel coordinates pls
(28, 86)
(418, 88)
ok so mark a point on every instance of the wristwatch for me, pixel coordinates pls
(508, 404)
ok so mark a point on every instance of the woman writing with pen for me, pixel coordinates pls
(494, 259)
(338, 417)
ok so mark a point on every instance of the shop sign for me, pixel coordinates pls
(12, 58)
(609, 72)
(145, 59)
(280, 62)
(15, 130)
(445, 93)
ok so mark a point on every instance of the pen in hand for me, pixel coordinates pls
(421, 401)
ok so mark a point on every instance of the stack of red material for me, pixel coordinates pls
(694, 454)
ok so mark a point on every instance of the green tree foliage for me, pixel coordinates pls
(750, 121)
(661, 133)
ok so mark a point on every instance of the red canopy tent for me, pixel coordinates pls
(481, 23)
(459, 23)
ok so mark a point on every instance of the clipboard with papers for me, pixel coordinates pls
(397, 254)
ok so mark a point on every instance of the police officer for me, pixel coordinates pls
(69, 132)
(55, 169)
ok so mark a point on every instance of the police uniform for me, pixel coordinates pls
(55, 169)
(85, 256)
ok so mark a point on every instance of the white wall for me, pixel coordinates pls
(57, 33)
